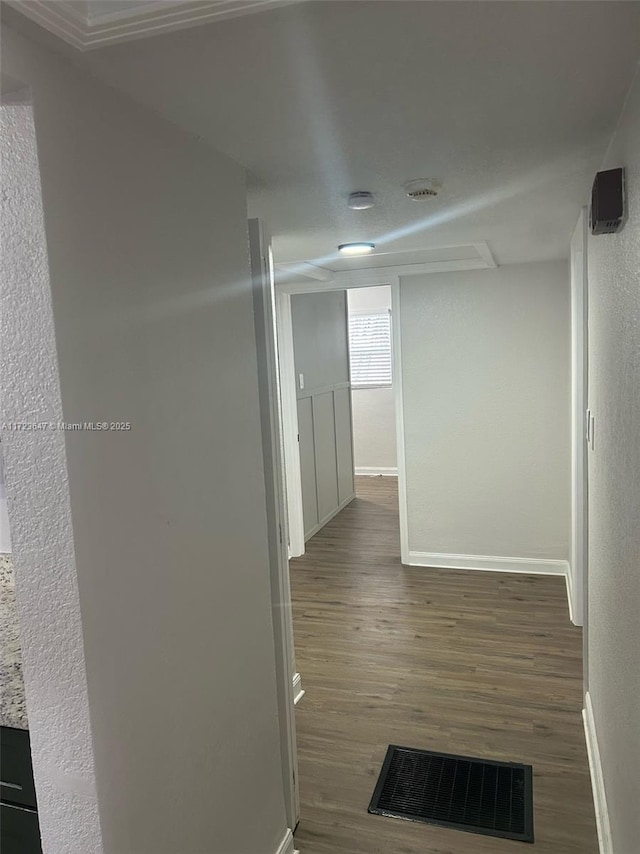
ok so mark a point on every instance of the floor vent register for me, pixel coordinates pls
(477, 795)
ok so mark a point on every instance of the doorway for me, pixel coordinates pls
(323, 406)
(371, 373)
(344, 397)
(335, 429)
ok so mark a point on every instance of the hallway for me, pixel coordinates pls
(476, 663)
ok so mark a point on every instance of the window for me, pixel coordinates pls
(370, 349)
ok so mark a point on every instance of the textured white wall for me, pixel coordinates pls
(46, 584)
(614, 493)
(374, 411)
(485, 359)
(148, 258)
(369, 299)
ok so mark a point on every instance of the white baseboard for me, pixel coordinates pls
(569, 581)
(287, 846)
(572, 610)
(489, 563)
(597, 780)
(298, 692)
(372, 471)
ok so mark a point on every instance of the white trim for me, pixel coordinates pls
(86, 32)
(372, 277)
(426, 267)
(489, 563)
(369, 386)
(288, 386)
(261, 261)
(329, 517)
(597, 780)
(396, 343)
(287, 846)
(485, 253)
(296, 269)
(359, 279)
(322, 389)
(437, 267)
(57, 18)
(341, 282)
(5, 531)
(579, 521)
(569, 582)
(298, 690)
(376, 471)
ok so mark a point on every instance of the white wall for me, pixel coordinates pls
(486, 369)
(152, 305)
(614, 493)
(320, 347)
(51, 635)
(374, 416)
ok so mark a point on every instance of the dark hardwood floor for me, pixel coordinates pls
(477, 663)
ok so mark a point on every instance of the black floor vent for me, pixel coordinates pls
(494, 798)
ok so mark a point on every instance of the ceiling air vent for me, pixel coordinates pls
(422, 189)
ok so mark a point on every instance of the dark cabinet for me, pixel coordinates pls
(19, 829)
(16, 775)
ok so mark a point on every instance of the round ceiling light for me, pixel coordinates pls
(360, 248)
(361, 200)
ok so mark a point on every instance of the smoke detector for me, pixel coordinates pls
(361, 200)
(422, 189)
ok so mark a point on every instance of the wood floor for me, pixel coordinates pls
(477, 663)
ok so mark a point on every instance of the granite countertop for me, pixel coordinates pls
(13, 710)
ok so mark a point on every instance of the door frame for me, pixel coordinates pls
(341, 282)
(263, 290)
(289, 406)
(577, 578)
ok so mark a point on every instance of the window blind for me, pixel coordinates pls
(370, 349)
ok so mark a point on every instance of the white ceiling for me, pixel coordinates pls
(509, 104)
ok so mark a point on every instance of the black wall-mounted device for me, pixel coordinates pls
(607, 202)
